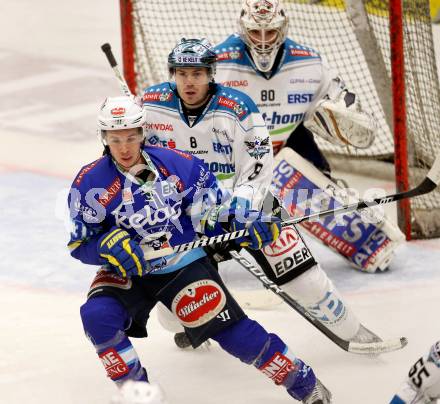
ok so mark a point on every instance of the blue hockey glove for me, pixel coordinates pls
(261, 233)
(122, 253)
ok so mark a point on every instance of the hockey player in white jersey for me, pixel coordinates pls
(224, 127)
(422, 385)
(299, 96)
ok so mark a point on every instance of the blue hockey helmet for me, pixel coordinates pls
(192, 53)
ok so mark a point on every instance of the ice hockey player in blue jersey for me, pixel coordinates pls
(224, 127)
(130, 203)
(300, 97)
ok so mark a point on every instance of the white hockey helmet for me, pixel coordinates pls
(263, 27)
(119, 113)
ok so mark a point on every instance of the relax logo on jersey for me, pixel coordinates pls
(294, 97)
(148, 216)
(156, 141)
(258, 148)
(198, 303)
(222, 148)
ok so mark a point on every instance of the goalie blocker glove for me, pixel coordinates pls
(123, 254)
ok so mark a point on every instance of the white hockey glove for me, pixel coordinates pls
(340, 120)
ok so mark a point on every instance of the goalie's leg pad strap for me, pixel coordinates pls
(104, 320)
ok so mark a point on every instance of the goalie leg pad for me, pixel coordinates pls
(269, 354)
(316, 293)
(104, 320)
(366, 245)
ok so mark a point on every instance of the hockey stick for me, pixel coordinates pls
(366, 348)
(107, 49)
(430, 182)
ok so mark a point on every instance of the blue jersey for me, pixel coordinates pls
(155, 212)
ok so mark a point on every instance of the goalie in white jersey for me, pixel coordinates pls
(299, 96)
(224, 127)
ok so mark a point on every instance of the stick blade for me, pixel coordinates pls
(377, 348)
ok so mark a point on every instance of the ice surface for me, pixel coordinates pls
(53, 78)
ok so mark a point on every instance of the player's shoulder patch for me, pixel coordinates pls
(297, 52)
(232, 50)
(235, 101)
(166, 154)
(86, 170)
(173, 164)
(159, 94)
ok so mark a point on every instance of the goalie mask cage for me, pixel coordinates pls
(354, 37)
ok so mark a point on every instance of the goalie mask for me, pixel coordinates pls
(119, 113)
(192, 53)
(263, 27)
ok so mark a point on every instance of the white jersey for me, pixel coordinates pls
(300, 80)
(230, 136)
